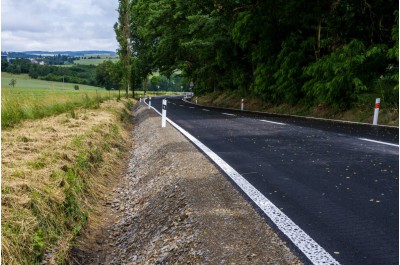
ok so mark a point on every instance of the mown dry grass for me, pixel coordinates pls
(18, 104)
(53, 172)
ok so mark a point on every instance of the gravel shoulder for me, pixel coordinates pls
(170, 205)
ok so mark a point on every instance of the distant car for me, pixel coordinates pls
(188, 94)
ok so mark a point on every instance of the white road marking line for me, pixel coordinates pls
(378, 142)
(180, 105)
(191, 107)
(311, 249)
(273, 122)
(229, 114)
(206, 109)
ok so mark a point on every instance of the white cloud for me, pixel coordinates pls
(58, 25)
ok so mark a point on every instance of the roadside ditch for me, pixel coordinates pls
(170, 205)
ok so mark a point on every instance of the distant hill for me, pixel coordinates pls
(34, 54)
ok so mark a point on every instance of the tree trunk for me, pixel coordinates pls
(318, 49)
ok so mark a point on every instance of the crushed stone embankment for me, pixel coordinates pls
(172, 206)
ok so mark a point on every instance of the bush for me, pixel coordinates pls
(334, 79)
(76, 87)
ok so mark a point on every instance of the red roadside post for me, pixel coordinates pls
(376, 113)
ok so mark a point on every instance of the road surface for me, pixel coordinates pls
(338, 182)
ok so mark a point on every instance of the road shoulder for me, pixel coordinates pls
(172, 205)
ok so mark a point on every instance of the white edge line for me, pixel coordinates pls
(273, 122)
(378, 142)
(206, 109)
(229, 114)
(311, 249)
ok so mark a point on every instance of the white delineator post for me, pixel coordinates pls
(196, 100)
(376, 113)
(242, 105)
(149, 103)
(164, 113)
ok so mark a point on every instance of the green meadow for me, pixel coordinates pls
(24, 81)
(35, 99)
(94, 61)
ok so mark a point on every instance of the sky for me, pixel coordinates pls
(58, 25)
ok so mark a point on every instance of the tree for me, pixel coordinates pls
(33, 71)
(13, 82)
(109, 75)
(4, 65)
(122, 30)
(324, 52)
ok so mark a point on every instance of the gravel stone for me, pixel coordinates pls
(172, 206)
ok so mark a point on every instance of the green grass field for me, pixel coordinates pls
(103, 58)
(35, 99)
(24, 81)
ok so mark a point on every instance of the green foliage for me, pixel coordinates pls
(334, 79)
(329, 52)
(122, 31)
(393, 53)
(38, 244)
(74, 213)
(81, 74)
(13, 82)
(110, 75)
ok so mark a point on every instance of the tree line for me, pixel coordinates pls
(81, 74)
(110, 75)
(330, 52)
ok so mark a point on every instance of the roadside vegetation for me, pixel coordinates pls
(54, 170)
(362, 111)
(330, 53)
(35, 99)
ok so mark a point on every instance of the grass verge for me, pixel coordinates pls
(54, 170)
(360, 112)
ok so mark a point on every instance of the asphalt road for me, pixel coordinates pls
(341, 190)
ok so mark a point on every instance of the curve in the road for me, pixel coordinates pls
(340, 189)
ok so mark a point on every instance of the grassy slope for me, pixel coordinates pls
(359, 113)
(35, 99)
(24, 81)
(53, 171)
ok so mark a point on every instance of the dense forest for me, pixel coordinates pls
(330, 52)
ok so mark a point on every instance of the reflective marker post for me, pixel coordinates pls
(149, 103)
(376, 113)
(164, 113)
(242, 105)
